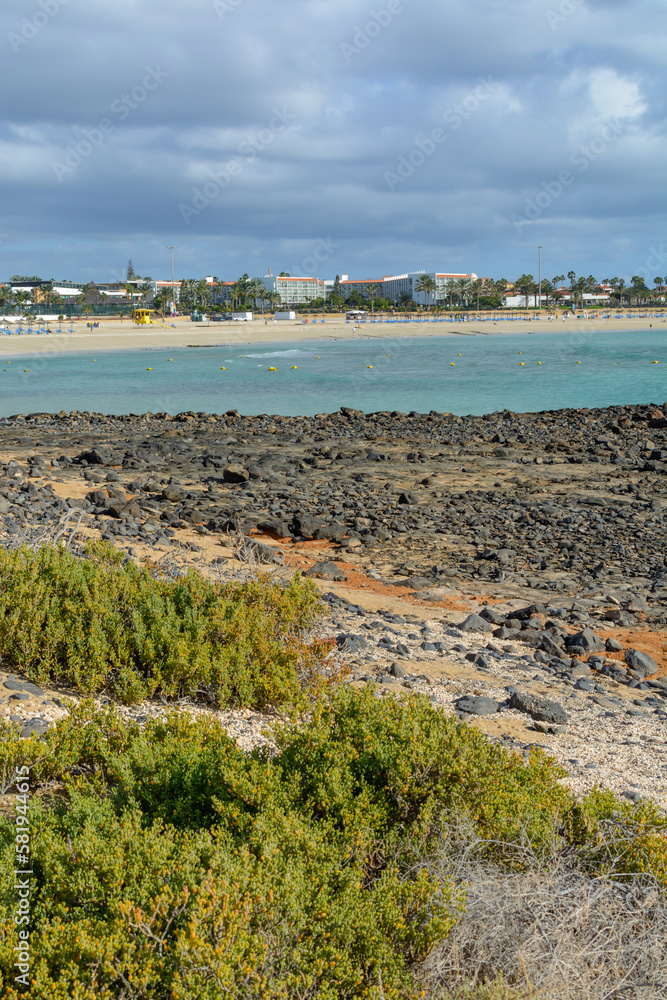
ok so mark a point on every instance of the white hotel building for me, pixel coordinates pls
(298, 290)
(393, 286)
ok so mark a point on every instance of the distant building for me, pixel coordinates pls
(394, 286)
(294, 290)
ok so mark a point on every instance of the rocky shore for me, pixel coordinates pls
(547, 528)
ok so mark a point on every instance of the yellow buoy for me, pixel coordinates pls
(388, 355)
(655, 362)
(170, 359)
(577, 362)
(149, 369)
(223, 369)
(272, 369)
(539, 362)
(294, 366)
(522, 364)
(369, 366)
(459, 355)
(26, 369)
(317, 357)
(451, 364)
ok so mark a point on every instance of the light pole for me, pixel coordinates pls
(539, 275)
(173, 291)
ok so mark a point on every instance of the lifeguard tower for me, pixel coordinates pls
(143, 316)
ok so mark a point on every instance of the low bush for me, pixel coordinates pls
(169, 865)
(99, 623)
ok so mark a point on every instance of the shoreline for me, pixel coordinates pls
(117, 336)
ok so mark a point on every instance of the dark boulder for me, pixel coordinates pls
(477, 705)
(474, 623)
(235, 474)
(641, 662)
(538, 708)
(326, 569)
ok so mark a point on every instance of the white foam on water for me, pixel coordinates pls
(278, 354)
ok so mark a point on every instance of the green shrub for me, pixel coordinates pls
(98, 624)
(171, 865)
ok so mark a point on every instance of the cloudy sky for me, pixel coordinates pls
(330, 136)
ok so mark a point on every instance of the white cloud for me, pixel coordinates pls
(615, 96)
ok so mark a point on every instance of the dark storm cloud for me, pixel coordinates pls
(410, 134)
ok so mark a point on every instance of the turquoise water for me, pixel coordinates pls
(577, 370)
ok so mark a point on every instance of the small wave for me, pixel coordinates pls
(277, 354)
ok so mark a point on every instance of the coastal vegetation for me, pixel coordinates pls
(102, 624)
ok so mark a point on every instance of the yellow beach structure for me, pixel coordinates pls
(143, 316)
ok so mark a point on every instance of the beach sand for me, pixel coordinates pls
(113, 335)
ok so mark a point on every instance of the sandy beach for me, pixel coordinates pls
(113, 335)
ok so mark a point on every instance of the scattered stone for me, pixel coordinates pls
(261, 551)
(538, 708)
(396, 670)
(236, 474)
(36, 726)
(613, 645)
(349, 643)
(477, 705)
(474, 623)
(641, 662)
(326, 569)
(16, 685)
(586, 640)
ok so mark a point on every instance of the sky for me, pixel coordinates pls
(326, 137)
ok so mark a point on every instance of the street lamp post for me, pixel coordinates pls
(173, 290)
(539, 275)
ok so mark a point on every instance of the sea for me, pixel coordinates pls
(460, 374)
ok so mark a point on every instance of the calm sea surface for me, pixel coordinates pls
(461, 374)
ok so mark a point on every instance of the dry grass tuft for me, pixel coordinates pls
(546, 929)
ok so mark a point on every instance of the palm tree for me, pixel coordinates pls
(477, 288)
(274, 299)
(426, 284)
(405, 300)
(161, 300)
(240, 289)
(639, 288)
(202, 291)
(463, 287)
(526, 286)
(257, 291)
(372, 288)
(21, 299)
(145, 290)
(450, 288)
